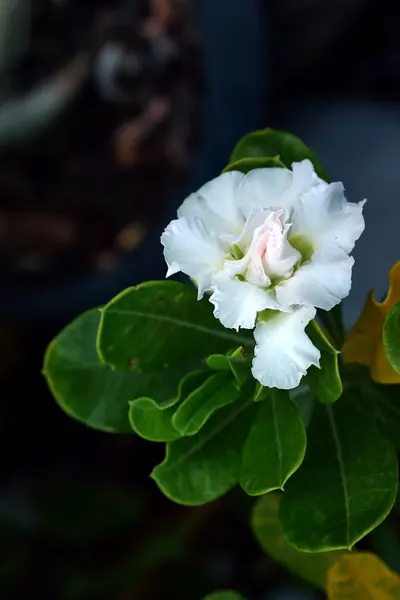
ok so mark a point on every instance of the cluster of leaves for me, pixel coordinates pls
(156, 362)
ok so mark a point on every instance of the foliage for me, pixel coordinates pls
(155, 362)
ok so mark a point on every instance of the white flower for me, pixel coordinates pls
(271, 246)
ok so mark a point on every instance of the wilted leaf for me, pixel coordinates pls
(364, 344)
(362, 576)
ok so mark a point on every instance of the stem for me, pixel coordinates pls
(333, 323)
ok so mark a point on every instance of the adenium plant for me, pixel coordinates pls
(239, 370)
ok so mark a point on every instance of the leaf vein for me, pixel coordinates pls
(342, 471)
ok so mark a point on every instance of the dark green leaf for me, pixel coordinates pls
(346, 485)
(244, 165)
(85, 388)
(377, 402)
(152, 419)
(224, 595)
(216, 392)
(391, 337)
(271, 143)
(269, 533)
(89, 390)
(200, 468)
(152, 422)
(275, 447)
(324, 382)
(304, 400)
(158, 325)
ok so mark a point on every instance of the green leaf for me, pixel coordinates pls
(391, 337)
(256, 162)
(346, 485)
(224, 595)
(85, 388)
(377, 402)
(275, 447)
(325, 382)
(304, 400)
(152, 422)
(272, 143)
(158, 325)
(216, 392)
(269, 534)
(200, 468)
(235, 361)
(88, 390)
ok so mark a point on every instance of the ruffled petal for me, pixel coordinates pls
(304, 178)
(322, 282)
(325, 218)
(215, 205)
(188, 247)
(263, 187)
(238, 302)
(283, 351)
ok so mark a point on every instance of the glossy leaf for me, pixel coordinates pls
(269, 534)
(236, 361)
(324, 382)
(224, 595)
(87, 389)
(152, 419)
(391, 337)
(83, 386)
(304, 400)
(346, 485)
(364, 344)
(272, 143)
(244, 165)
(152, 422)
(362, 576)
(217, 391)
(275, 447)
(158, 325)
(200, 468)
(377, 402)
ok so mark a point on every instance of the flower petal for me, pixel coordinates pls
(283, 351)
(324, 217)
(238, 302)
(189, 248)
(215, 204)
(322, 282)
(263, 187)
(304, 178)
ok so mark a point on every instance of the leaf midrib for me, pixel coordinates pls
(181, 323)
(342, 470)
(193, 449)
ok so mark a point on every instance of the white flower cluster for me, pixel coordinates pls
(271, 246)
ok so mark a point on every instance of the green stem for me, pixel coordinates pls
(333, 323)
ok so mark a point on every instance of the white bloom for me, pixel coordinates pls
(271, 246)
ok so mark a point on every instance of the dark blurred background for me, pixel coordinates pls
(111, 112)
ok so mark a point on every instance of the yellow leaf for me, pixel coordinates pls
(364, 344)
(362, 576)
